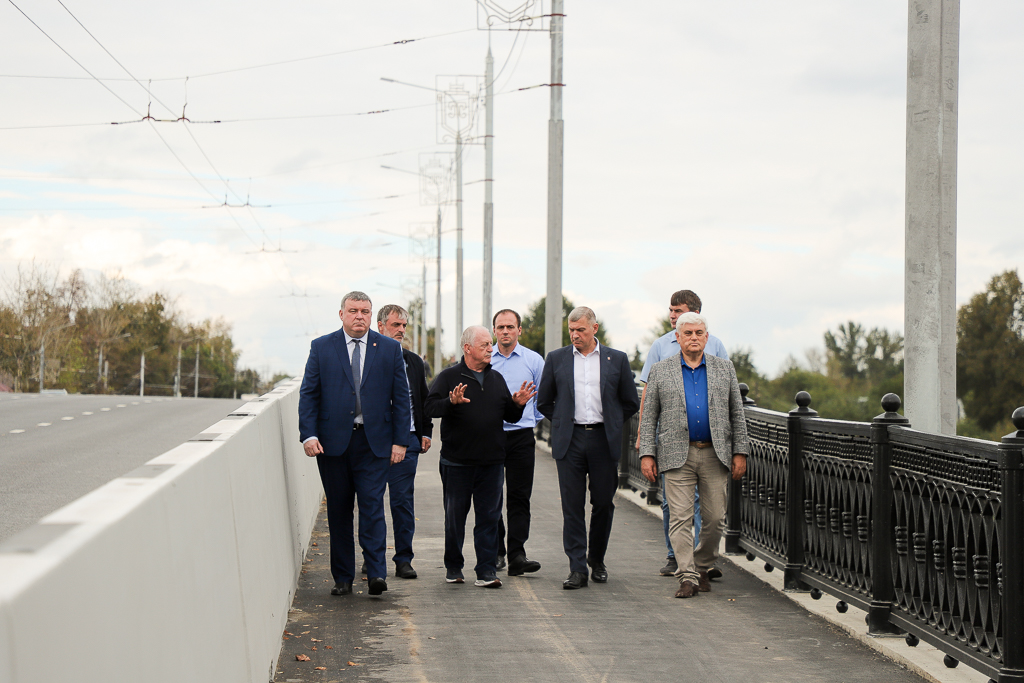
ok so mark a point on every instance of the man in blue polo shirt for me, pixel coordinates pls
(666, 346)
(517, 364)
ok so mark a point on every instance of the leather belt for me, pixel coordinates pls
(590, 427)
(356, 426)
(701, 444)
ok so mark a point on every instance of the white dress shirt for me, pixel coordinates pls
(586, 373)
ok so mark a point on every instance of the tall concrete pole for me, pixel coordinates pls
(177, 376)
(198, 346)
(142, 375)
(933, 64)
(437, 308)
(488, 190)
(553, 306)
(423, 314)
(42, 362)
(458, 234)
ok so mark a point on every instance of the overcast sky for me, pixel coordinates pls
(750, 151)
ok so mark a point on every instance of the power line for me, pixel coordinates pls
(93, 76)
(150, 119)
(256, 66)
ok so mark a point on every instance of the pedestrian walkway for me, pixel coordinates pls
(628, 630)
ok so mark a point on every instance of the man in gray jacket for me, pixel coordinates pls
(693, 402)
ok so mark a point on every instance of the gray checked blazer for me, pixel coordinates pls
(665, 411)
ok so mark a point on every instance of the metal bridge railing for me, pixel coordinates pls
(924, 532)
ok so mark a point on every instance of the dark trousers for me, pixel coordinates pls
(481, 486)
(357, 474)
(401, 492)
(588, 455)
(520, 459)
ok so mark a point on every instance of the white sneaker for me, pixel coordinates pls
(489, 581)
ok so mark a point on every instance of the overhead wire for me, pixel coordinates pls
(294, 60)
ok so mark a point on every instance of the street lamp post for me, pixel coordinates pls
(100, 375)
(42, 353)
(142, 370)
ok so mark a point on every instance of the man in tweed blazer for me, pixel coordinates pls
(693, 402)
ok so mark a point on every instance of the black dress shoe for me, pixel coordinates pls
(714, 573)
(377, 585)
(362, 570)
(575, 580)
(499, 564)
(404, 570)
(599, 573)
(343, 588)
(522, 565)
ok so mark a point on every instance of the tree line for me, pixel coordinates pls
(89, 336)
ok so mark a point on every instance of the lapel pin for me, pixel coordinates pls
(374, 343)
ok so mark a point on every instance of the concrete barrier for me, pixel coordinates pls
(182, 570)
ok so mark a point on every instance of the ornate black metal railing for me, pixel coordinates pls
(923, 532)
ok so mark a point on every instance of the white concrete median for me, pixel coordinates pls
(182, 570)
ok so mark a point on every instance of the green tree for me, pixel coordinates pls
(990, 351)
(533, 326)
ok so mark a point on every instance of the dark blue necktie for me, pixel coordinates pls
(356, 376)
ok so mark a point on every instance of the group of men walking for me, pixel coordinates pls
(365, 413)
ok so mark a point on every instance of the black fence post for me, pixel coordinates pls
(1011, 571)
(795, 495)
(882, 537)
(733, 511)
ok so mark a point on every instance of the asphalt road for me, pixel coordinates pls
(55, 449)
(629, 630)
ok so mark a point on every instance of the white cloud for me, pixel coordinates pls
(753, 153)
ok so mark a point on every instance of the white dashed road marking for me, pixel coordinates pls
(122, 405)
(67, 418)
(104, 409)
(43, 424)
(17, 431)
(87, 412)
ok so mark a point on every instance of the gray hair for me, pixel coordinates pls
(691, 318)
(388, 309)
(355, 295)
(470, 334)
(582, 313)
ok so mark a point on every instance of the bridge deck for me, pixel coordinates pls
(630, 629)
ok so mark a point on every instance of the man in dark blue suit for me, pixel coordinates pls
(587, 392)
(354, 417)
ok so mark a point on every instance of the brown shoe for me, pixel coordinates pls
(686, 590)
(703, 582)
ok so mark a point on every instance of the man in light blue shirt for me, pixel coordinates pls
(517, 364)
(683, 301)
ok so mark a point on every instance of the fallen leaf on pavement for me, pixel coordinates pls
(328, 647)
(313, 648)
(358, 648)
(353, 664)
(320, 668)
(316, 640)
(431, 638)
(556, 615)
(302, 658)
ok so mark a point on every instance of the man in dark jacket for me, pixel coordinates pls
(473, 403)
(391, 322)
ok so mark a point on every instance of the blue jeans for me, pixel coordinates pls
(479, 485)
(696, 517)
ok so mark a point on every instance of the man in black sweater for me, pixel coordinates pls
(473, 402)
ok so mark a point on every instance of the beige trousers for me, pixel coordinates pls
(702, 467)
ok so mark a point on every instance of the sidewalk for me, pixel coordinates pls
(628, 630)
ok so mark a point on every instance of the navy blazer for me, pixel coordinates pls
(327, 399)
(418, 386)
(556, 397)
